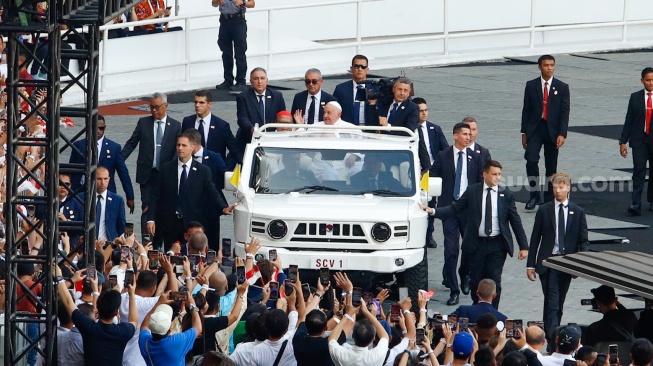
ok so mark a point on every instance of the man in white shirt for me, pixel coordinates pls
(281, 328)
(567, 343)
(363, 335)
(535, 340)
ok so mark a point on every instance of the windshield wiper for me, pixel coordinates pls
(311, 189)
(382, 192)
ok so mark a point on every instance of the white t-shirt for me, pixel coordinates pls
(265, 353)
(132, 355)
(359, 356)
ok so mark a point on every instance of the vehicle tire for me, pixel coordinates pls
(416, 278)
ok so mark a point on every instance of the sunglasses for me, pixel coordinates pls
(309, 81)
(357, 66)
(101, 128)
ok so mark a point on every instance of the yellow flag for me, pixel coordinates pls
(235, 177)
(424, 184)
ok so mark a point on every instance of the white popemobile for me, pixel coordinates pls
(338, 197)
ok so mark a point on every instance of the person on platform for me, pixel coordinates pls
(352, 94)
(544, 122)
(232, 40)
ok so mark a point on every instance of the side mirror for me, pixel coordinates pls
(435, 187)
(227, 182)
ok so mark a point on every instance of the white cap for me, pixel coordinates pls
(335, 104)
(161, 319)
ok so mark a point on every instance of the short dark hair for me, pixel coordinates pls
(359, 57)
(205, 93)
(459, 126)
(491, 164)
(544, 58)
(256, 69)
(363, 333)
(266, 268)
(62, 314)
(87, 309)
(24, 269)
(403, 80)
(585, 353)
(192, 135)
(101, 118)
(315, 322)
(641, 352)
(146, 280)
(514, 358)
(469, 119)
(213, 299)
(419, 100)
(276, 323)
(647, 70)
(484, 356)
(194, 225)
(259, 330)
(108, 303)
(487, 321)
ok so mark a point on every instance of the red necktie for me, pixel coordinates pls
(649, 111)
(545, 101)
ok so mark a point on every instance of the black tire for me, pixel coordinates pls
(416, 278)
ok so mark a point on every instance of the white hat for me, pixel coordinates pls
(335, 104)
(161, 319)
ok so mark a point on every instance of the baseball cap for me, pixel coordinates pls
(161, 319)
(463, 343)
(604, 294)
(569, 336)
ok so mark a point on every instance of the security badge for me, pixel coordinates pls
(402, 107)
(212, 127)
(109, 199)
(108, 152)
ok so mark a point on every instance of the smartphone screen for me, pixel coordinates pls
(535, 323)
(419, 336)
(113, 281)
(452, 319)
(226, 248)
(91, 273)
(194, 263)
(600, 358)
(438, 333)
(292, 273)
(210, 257)
(613, 352)
(324, 276)
(129, 229)
(403, 293)
(356, 296)
(178, 295)
(367, 297)
(510, 328)
(288, 287)
(569, 363)
(395, 312)
(178, 262)
(378, 306)
(306, 291)
(518, 327)
(129, 278)
(274, 290)
(463, 324)
(272, 255)
(124, 254)
(153, 257)
(240, 274)
(146, 238)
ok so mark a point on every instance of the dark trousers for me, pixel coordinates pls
(170, 231)
(43, 54)
(232, 40)
(431, 220)
(555, 285)
(146, 193)
(641, 155)
(487, 261)
(539, 138)
(453, 228)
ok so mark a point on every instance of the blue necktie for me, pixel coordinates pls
(98, 212)
(357, 108)
(261, 108)
(394, 109)
(201, 129)
(182, 183)
(311, 111)
(561, 229)
(459, 175)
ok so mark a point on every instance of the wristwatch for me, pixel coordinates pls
(193, 307)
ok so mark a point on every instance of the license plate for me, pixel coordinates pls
(329, 262)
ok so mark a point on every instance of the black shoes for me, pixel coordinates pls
(453, 300)
(239, 87)
(464, 285)
(532, 203)
(226, 85)
(431, 243)
(635, 209)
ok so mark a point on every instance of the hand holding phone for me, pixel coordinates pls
(274, 290)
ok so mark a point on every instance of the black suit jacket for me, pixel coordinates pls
(220, 139)
(544, 234)
(248, 112)
(299, 103)
(472, 201)
(633, 130)
(144, 135)
(557, 110)
(199, 189)
(407, 114)
(385, 180)
(344, 94)
(445, 168)
(483, 152)
(437, 141)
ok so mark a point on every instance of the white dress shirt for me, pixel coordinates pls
(427, 140)
(495, 212)
(242, 353)
(361, 110)
(205, 127)
(265, 353)
(100, 142)
(556, 247)
(555, 359)
(463, 177)
(156, 127)
(198, 156)
(542, 81)
(359, 356)
(102, 230)
(390, 109)
(132, 354)
(318, 98)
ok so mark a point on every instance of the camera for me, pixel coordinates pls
(380, 90)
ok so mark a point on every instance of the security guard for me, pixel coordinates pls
(232, 39)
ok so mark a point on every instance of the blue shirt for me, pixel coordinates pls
(169, 351)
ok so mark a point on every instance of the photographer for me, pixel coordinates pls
(618, 323)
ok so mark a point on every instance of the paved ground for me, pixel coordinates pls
(493, 93)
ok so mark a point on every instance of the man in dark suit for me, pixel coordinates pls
(109, 156)
(355, 111)
(292, 176)
(215, 132)
(257, 105)
(401, 112)
(70, 209)
(157, 136)
(180, 196)
(309, 104)
(473, 145)
(486, 293)
(458, 167)
(218, 167)
(434, 141)
(544, 121)
(110, 208)
(491, 212)
(637, 132)
(560, 228)
(372, 178)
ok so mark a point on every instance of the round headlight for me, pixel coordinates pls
(381, 232)
(277, 229)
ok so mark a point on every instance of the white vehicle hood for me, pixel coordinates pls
(332, 207)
